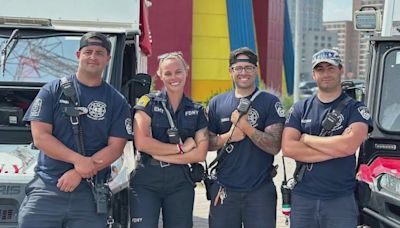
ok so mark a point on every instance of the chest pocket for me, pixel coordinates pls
(188, 127)
(159, 124)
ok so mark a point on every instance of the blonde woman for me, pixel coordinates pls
(162, 180)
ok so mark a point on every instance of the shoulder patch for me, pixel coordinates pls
(279, 109)
(364, 112)
(143, 101)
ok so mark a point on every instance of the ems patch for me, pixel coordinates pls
(143, 101)
(279, 109)
(363, 110)
(128, 125)
(36, 107)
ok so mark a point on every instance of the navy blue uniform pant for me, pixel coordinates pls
(45, 206)
(248, 209)
(313, 213)
(154, 188)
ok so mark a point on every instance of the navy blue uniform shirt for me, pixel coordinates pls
(108, 115)
(248, 166)
(336, 177)
(188, 118)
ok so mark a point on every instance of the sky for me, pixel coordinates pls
(337, 10)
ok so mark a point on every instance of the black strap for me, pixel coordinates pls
(228, 146)
(328, 123)
(73, 112)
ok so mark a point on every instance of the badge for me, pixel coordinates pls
(143, 101)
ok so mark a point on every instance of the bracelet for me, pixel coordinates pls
(179, 146)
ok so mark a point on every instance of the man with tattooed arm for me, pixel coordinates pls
(243, 193)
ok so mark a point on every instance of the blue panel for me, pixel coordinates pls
(241, 24)
(288, 53)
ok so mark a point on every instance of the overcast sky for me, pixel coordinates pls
(337, 10)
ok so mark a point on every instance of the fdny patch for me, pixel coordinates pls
(128, 125)
(364, 112)
(252, 117)
(143, 101)
(36, 107)
(97, 110)
(191, 113)
(279, 109)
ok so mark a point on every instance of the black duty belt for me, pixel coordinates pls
(154, 162)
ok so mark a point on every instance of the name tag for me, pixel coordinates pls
(225, 119)
(306, 121)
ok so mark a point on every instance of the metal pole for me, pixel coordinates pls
(297, 52)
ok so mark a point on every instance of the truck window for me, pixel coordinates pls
(389, 110)
(40, 59)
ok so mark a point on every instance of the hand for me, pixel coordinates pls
(69, 181)
(188, 145)
(85, 166)
(237, 135)
(239, 120)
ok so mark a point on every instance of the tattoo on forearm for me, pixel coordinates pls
(270, 139)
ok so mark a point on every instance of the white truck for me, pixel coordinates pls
(38, 41)
(379, 157)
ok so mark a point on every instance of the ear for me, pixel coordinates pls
(78, 54)
(313, 76)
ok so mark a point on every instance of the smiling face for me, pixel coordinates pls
(327, 77)
(243, 74)
(172, 72)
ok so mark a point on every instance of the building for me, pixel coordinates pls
(363, 38)
(312, 34)
(347, 39)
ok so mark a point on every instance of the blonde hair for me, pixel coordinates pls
(177, 55)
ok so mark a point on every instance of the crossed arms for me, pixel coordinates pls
(311, 148)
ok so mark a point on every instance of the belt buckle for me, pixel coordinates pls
(164, 164)
(229, 148)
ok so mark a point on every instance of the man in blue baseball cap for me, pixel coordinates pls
(325, 148)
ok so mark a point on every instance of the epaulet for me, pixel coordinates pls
(197, 105)
(145, 99)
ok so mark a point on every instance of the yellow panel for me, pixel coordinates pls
(210, 69)
(210, 25)
(209, 6)
(203, 90)
(210, 48)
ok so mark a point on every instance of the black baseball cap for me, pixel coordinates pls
(243, 51)
(101, 40)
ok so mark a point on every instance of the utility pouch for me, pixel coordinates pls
(196, 172)
(102, 195)
(208, 181)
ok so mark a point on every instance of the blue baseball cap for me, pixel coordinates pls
(328, 56)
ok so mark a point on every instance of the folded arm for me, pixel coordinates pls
(144, 142)
(292, 147)
(196, 154)
(339, 145)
